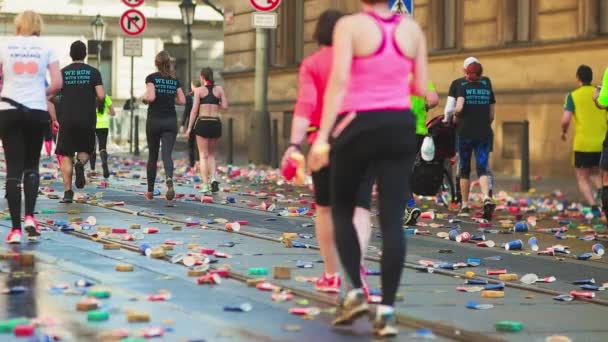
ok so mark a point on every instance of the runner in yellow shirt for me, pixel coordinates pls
(590, 130)
(101, 130)
(601, 101)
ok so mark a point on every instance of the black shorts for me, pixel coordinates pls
(209, 127)
(74, 139)
(419, 141)
(587, 160)
(322, 190)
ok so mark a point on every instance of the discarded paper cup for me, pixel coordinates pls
(233, 227)
(533, 243)
(453, 234)
(514, 245)
(464, 237)
(91, 220)
(489, 244)
(598, 249)
(529, 279)
(521, 227)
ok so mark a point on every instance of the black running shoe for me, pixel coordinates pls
(215, 186)
(488, 209)
(68, 197)
(411, 216)
(80, 178)
(106, 170)
(170, 190)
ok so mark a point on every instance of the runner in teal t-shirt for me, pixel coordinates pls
(420, 107)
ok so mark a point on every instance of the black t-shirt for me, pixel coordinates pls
(461, 81)
(475, 117)
(78, 95)
(166, 89)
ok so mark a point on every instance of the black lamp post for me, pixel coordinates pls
(99, 31)
(188, 8)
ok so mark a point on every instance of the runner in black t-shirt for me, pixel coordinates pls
(163, 91)
(450, 103)
(82, 88)
(474, 114)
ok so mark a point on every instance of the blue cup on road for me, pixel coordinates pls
(453, 234)
(410, 231)
(514, 245)
(598, 249)
(144, 248)
(533, 243)
(231, 199)
(521, 227)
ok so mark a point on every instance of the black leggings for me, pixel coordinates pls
(385, 143)
(22, 135)
(102, 143)
(160, 132)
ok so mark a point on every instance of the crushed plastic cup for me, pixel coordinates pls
(453, 234)
(464, 237)
(590, 281)
(91, 220)
(582, 294)
(529, 279)
(521, 227)
(245, 307)
(478, 306)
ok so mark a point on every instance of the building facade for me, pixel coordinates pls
(530, 49)
(69, 20)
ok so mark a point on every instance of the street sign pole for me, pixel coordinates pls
(259, 147)
(259, 138)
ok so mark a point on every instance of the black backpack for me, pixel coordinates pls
(427, 177)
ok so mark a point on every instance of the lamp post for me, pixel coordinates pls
(187, 7)
(99, 31)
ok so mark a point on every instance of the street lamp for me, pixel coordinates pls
(187, 7)
(99, 31)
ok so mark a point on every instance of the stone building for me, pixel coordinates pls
(530, 49)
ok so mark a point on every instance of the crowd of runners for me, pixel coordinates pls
(362, 105)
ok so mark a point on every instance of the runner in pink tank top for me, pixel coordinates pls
(312, 82)
(380, 59)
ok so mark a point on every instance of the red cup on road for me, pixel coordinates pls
(464, 237)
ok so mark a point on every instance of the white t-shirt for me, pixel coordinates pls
(24, 63)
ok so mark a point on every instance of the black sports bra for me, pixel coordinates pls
(210, 98)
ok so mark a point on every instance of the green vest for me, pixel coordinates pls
(103, 118)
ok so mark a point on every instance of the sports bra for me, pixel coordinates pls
(210, 98)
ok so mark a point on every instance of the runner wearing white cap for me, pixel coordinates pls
(449, 111)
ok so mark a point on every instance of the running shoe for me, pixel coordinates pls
(488, 209)
(411, 216)
(595, 210)
(80, 178)
(48, 146)
(205, 189)
(353, 306)
(14, 236)
(454, 206)
(215, 186)
(384, 322)
(328, 284)
(465, 210)
(68, 197)
(106, 170)
(170, 190)
(31, 227)
(149, 195)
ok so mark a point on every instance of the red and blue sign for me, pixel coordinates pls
(402, 6)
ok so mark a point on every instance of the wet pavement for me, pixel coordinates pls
(430, 298)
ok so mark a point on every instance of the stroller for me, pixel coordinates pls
(431, 178)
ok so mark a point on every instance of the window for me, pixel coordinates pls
(287, 41)
(445, 24)
(516, 20)
(449, 11)
(522, 25)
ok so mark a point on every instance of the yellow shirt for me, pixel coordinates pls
(589, 121)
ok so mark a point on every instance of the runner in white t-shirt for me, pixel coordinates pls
(24, 116)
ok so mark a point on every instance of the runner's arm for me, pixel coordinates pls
(150, 94)
(566, 118)
(223, 99)
(432, 99)
(180, 98)
(111, 110)
(492, 113)
(196, 102)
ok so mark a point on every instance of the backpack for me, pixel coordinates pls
(427, 177)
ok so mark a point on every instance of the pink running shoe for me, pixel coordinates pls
(14, 236)
(31, 227)
(363, 272)
(328, 284)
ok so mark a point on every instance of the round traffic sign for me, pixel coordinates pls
(133, 3)
(265, 5)
(133, 22)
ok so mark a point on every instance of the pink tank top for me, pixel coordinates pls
(380, 81)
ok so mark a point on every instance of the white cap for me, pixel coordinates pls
(470, 60)
(427, 150)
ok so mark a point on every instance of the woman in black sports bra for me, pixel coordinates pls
(206, 124)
